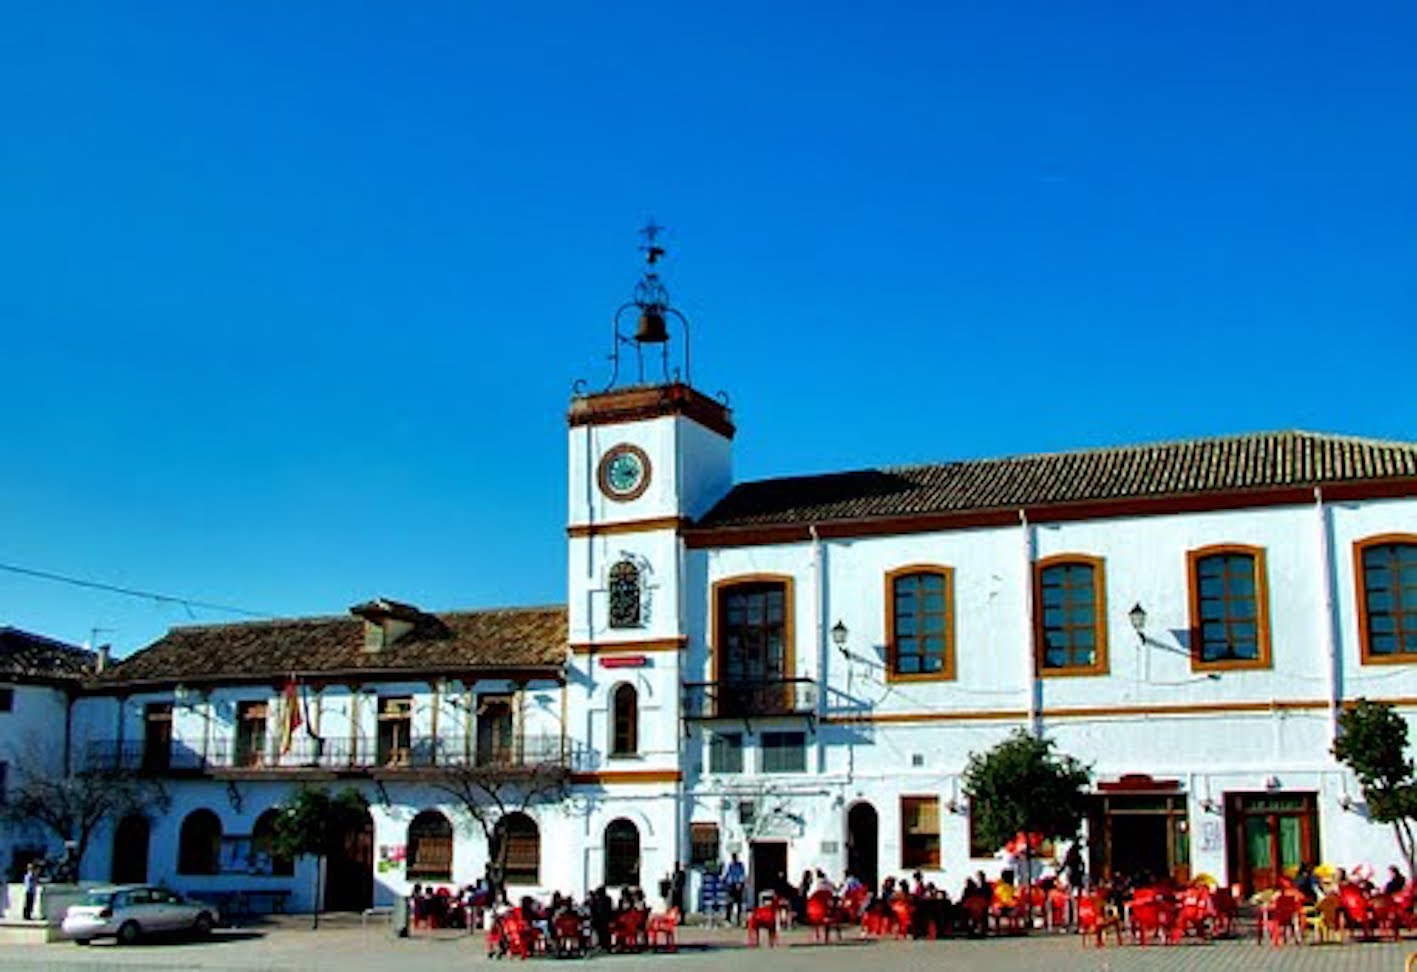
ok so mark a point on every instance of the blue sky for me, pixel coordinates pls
(292, 296)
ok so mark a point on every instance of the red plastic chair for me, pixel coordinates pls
(1226, 911)
(663, 928)
(627, 931)
(763, 919)
(570, 936)
(522, 937)
(1357, 910)
(1195, 913)
(1094, 919)
(1278, 921)
(1149, 920)
(824, 914)
(904, 913)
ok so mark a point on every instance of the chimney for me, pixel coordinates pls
(100, 663)
(385, 622)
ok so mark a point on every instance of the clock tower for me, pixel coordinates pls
(645, 459)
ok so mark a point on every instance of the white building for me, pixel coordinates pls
(797, 670)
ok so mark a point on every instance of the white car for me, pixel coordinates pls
(128, 911)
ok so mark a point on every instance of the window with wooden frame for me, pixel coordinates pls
(430, 847)
(920, 832)
(1386, 570)
(1229, 607)
(523, 863)
(250, 733)
(157, 736)
(753, 656)
(920, 624)
(703, 844)
(395, 730)
(1070, 592)
(624, 720)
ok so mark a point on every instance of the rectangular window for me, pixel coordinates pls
(157, 736)
(250, 733)
(1229, 608)
(784, 752)
(496, 733)
(1387, 607)
(754, 654)
(726, 752)
(395, 728)
(920, 832)
(703, 844)
(1072, 615)
(919, 623)
(7, 699)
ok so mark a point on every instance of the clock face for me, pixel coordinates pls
(624, 472)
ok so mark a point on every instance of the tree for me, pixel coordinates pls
(1022, 786)
(73, 806)
(489, 792)
(310, 821)
(1372, 741)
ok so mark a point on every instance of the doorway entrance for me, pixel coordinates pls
(349, 869)
(769, 867)
(130, 850)
(862, 842)
(1140, 835)
(1270, 833)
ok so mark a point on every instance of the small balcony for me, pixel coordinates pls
(344, 756)
(755, 699)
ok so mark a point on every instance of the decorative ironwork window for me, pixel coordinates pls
(523, 863)
(199, 843)
(430, 847)
(624, 595)
(625, 718)
(1072, 615)
(622, 854)
(919, 832)
(1387, 571)
(920, 623)
(1229, 608)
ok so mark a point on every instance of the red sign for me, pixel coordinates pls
(624, 661)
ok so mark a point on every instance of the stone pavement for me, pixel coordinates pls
(344, 946)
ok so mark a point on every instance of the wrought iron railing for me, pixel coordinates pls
(335, 754)
(742, 699)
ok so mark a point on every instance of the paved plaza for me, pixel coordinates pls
(344, 946)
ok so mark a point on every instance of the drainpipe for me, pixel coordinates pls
(1325, 606)
(1026, 536)
(818, 604)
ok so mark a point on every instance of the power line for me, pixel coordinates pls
(186, 602)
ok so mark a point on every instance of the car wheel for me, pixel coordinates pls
(202, 927)
(82, 941)
(128, 933)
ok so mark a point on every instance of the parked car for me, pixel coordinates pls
(129, 911)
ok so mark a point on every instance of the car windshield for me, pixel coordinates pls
(99, 899)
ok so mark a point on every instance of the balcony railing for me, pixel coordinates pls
(344, 754)
(750, 699)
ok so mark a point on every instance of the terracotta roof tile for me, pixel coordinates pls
(1197, 466)
(510, 638)
(24, 655)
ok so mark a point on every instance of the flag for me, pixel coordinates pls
(290, 715)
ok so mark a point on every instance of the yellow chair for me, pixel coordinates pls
(1325, 920)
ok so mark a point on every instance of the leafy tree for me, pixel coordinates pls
(1022, 786)
(310, 821)
(1372, 741)
(73, 806)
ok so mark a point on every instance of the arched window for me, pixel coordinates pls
(523, 849)
(624, 595)
(1386, 568)
(265, 860)
(624, 720)
(1229, 607)
(199, 843)
(1071, 615)
(430, 847)
(622, 854)
(920, 623)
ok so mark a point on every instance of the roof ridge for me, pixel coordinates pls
(332, 618)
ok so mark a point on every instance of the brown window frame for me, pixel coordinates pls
(523, 864)
(704, 843)
(1360, 588)
(1100, 661)
(252, 725)
(721, 590)
(420, 861)
(947, 672)
(929, 860)
(1262, 637)
(624, 725)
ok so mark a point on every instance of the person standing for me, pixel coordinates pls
(31, 888)
(677, 882)
(734, 877)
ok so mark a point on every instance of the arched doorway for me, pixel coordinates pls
(199, 843)
(349, 868)
(862, 841)
(622, 854)
(130, 850)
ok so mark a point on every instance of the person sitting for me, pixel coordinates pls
(822, 883)
(1395, 882)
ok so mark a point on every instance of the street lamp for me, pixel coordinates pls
(839, 634)
(1138, 617)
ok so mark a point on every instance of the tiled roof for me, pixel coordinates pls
(24, 655)
(509, 638)
(1198, 466)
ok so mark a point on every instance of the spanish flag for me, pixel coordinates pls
(290, 714)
